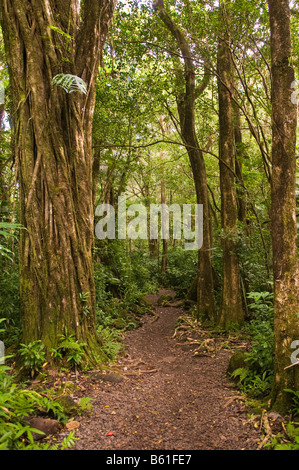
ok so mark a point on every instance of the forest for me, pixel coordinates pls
(149, 203)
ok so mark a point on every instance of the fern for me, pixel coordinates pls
(70, 83)
(241, 373)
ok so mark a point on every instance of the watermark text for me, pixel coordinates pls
(140, 222)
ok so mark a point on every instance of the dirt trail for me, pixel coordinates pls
(165, 398)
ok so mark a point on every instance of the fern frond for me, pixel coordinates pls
(241, 372)
(70, 83)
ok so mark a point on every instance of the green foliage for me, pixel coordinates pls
(261, 356)
(1, 321)
(181, 268)
(70, 349)
(241, 374)
(261, 305)
(111, 340)
(295, 399)
(84, 296)
(70, 83)
(252, 383)
(7, 232)
(251, 251)
(85, 404)
(261, 330)
(144, 272)
(17, 404)
(285, 441)
(32, 357)
(256, 380)
(9, 283)
(10, 304)
(121, 278)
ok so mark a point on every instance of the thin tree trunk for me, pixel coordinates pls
(239, 155)
(231, 309)
(186, 109)
(52, 140)
(284, 229)
(241, 198)
(164, 239)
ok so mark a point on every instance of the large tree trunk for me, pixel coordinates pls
(52, 133)
(186, 109)
(231, 309)
(284, 230)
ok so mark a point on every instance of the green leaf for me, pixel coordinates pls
(70, 83)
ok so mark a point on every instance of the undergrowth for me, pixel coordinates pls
(256, 378)
(17, 404)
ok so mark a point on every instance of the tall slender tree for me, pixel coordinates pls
(186, 110)
(284, 227)
(52, 143)
(231, 310)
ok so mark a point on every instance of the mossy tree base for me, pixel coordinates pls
(52, 144)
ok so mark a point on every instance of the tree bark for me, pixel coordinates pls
(239, 155)
(163, 223)
(231, 309)
(186, 110)
(284, 229)
(52, 140)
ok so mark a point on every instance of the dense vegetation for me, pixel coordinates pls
(187, 108)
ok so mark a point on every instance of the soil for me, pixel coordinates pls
(161, 395)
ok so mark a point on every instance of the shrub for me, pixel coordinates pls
(181, 268)
(256, 379)
(16, 404)
(69, 349)
(289, 440)
(32, 357)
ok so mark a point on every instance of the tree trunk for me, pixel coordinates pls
(205, 288)
(241, 200)
(231, 309)
(186, 109)
(163, 223)
(52, 140)
(284, 230)
(239, 155)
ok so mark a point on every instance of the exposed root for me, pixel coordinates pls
(208, 345)
(186, 324)
(155, 318)
(267, 430)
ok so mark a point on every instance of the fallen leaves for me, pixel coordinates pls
(72, 425)
(232, 399)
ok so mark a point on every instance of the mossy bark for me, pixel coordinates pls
(51, 132)
(284, 227)
(186, 109)
(231, 309)
(164, 239)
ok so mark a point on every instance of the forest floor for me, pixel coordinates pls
(161, 395)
